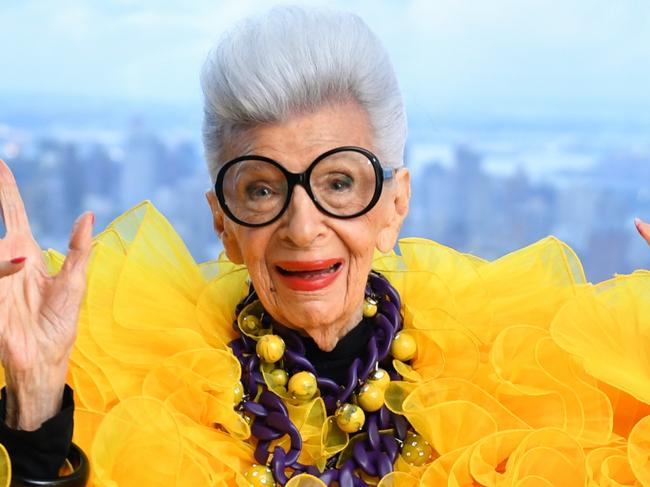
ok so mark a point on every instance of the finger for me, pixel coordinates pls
(9, 267)
(643, 229)
(74, 266)
(13, 208)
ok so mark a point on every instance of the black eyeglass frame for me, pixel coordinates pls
(381, 174)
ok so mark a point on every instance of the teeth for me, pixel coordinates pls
(326, 270)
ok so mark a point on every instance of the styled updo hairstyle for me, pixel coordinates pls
(292, 60)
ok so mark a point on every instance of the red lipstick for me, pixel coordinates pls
(308, 275)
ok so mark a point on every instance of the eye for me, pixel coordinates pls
(340, 182)
(259, 191)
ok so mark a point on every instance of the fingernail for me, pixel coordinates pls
(637, 221)
(92, 221)
(18, 260)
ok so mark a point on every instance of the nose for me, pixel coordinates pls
(303, 223)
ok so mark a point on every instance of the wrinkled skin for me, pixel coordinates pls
(38, 312)
(303, 233)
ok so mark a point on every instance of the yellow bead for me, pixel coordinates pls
(403, 347)
(380, 378)
(259, 476)
(350, 418)
(279, 377)
(303, 385)
(371, 397)
(238, 390)
(416, 450)
(270, 348)
(369, 307)
(250, 323)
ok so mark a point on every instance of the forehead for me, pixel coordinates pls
(296, 142)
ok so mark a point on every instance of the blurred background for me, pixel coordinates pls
(526, 118)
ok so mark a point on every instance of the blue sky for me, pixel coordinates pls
(497, 57)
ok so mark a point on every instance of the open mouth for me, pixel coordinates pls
(309, 273)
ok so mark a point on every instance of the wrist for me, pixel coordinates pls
(33, 396)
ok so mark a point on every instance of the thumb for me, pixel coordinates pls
(9, 267)
(643, 229)
(74, 266)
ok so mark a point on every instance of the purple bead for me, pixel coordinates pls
(361, 457)
(373, 432)
(345, 475)
(382, 286)
(296, 439)
(292, 456)
(251, 385)
(390, 446)
(352, 380)
(261, 452)
(372, 359)
(251, 365)
(384, 347)
(401, 425)
(278, 465)
(384, 418)
(327, 385)
(329, 476)
(359, 482)
(330, 404)
(236, 347)
(255, 408)
(384, 465)
(298, 362)
(264, 433)
(273, 402)
(278, 421)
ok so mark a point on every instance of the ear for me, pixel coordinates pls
(397, 209)
(224, 228)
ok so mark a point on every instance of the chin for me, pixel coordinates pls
(321, 322)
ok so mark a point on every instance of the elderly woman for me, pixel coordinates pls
(313, 354)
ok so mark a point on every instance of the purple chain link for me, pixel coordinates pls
(376, 454)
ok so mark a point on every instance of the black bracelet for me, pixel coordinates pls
(77, 478)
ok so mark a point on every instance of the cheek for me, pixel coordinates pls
(253, 244)
(360, 241)
(361, 235)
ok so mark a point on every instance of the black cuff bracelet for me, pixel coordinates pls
(78, 477)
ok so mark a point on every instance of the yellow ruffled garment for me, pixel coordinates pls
(525, 374)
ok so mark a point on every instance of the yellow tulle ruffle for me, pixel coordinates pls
(525, 374)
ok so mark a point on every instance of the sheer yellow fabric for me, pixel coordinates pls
(525, 374)
(5, 467)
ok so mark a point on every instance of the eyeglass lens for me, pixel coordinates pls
(342, 183)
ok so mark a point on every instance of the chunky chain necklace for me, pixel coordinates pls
(274, 366)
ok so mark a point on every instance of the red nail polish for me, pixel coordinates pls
(18, 260)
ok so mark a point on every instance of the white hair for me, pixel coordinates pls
(293, 60)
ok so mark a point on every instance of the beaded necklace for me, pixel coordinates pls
(275, 370)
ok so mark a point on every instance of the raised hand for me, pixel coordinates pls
(38, 312)
(643, 229)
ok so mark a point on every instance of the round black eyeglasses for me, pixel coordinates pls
(345, 182)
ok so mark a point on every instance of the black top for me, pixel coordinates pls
(40, 453)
